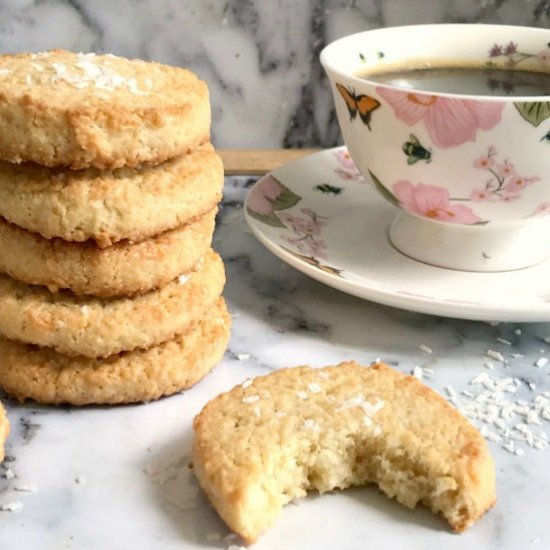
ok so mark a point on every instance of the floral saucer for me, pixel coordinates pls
(321, 217)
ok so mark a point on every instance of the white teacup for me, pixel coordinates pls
(471, 173)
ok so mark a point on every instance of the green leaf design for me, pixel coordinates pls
(388, 195)
(287, 199)
(269, 219)
(534, 112)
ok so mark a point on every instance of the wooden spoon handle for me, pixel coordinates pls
(247, 162)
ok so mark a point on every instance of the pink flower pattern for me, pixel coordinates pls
(432, 202)
(543, 209)
(264, 193)
(307, 229)
(449, 122)
(504, 184)
(347, 169)
(514, 56)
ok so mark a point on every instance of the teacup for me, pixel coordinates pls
(470, 173)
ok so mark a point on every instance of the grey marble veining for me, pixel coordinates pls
(118, 477)
(259, 57)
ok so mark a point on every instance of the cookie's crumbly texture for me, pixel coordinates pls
(4, 430)
(265, 443)
(109, 206)
(60, 108)
(99, 327)
(45, 376)
(125, 268)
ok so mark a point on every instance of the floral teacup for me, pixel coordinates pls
(470, 173)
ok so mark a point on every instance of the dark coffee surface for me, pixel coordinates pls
(468, 81)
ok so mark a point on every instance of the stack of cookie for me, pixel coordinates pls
(109, 290)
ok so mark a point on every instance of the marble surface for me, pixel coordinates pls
(118, 477)
(259, 57)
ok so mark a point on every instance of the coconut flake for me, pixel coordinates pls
(496, 355)
(250, 399)
(14, 506)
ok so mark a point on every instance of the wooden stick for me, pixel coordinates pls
(247, 162)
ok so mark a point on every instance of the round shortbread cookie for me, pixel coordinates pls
(99, 327)
(45, 376)
(109, 206)
(4, 430)
(61, 108)
(272, 439)
(123, 269)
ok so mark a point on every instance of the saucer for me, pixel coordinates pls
(321, 217)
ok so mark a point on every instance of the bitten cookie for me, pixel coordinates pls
(95, 327)
(4, 430)
(109, 206)
(41, 374)
(123, 269)
(61, 108)
(270, 440)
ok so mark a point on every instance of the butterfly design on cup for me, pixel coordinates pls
(361, 104)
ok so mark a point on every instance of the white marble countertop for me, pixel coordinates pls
(119, 478)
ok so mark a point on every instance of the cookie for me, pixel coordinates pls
(98, 327)
(45, 376)
(110, 206)
(270, 440)
(61, 108)
(4, 430)
(125, 268)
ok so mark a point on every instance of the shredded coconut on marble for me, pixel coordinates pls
(504, 341)
(418, 372)
(9, 473)
(30, 488)
(14, 506)
(503, 418)
(496, 355)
